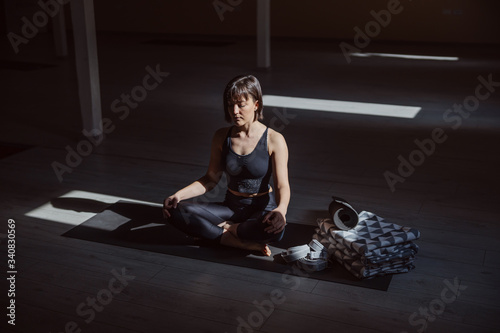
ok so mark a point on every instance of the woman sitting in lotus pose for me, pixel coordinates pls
(252, 214)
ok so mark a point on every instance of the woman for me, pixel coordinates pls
(253, 214)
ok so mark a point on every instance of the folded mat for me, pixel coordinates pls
(373, 248)
(141, 226)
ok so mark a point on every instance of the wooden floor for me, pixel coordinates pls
(163, 144)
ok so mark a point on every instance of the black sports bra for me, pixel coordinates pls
(247, 173)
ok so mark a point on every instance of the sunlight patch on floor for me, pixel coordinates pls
(404, 56)
(75, 207)
(373, 109)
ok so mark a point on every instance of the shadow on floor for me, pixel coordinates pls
(142, 226)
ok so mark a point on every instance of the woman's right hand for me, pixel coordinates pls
(169, 203)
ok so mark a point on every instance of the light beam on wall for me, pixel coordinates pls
(372, 109)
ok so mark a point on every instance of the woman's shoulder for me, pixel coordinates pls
(275, 136)
(276, 139)
(221, 134)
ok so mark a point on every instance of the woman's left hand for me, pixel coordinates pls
(276, 220)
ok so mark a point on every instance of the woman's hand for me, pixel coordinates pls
(169, 203)
(276, 220)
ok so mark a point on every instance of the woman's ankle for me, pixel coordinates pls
(228, 239)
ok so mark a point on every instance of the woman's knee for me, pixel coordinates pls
(182, 212)
(255, 231)
(277, 237)
(193, 219)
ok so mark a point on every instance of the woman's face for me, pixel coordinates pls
(243, 111)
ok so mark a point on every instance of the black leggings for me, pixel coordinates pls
(201, 219)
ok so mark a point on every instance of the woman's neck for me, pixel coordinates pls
(248, 130)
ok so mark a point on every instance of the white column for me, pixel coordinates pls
(82, 15)
(59, 28)
(263, 33)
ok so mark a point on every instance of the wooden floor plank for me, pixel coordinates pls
(284, 321)
(159, 296)
(115, 311)
(90, 261)
(37, 318)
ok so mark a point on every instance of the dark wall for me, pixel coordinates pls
(3, 22)
(419, 20)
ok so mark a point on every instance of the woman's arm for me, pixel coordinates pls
(279, 155)
(205, 183)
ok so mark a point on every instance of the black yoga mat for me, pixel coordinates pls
(141, 226)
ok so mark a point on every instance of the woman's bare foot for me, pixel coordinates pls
(266, 250)
(225, 225)
(228, 239)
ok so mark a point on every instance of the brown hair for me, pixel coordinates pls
(243, 86)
